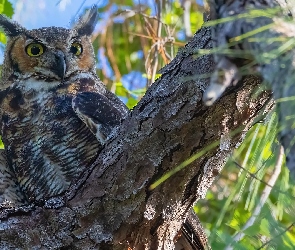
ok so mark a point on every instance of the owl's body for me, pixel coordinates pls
(47, 144)
(54, 111)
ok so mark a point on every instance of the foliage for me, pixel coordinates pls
(239, 196)
(6, 9)
(231, 201)
(137, 40)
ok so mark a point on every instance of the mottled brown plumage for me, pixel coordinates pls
(55, 113)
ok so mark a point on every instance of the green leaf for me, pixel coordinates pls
(8, 9)
(1, 144)
(264, 228)
(121, 90)
(171, 18)
(235, 222)
(138, 92)
(3, 38)
(131, 102)
(253, 230)
(2, 3)
(197, 20)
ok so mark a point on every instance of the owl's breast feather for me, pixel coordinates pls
(48, 146)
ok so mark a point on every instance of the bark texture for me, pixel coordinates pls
(112, 206)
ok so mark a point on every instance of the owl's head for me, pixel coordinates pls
(51, 53)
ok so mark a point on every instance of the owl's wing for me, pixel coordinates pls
(101, 113)
(10, 193)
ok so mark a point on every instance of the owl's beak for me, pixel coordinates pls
(59, 67)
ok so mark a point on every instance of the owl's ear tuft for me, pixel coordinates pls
(10, 27)
(86, 23)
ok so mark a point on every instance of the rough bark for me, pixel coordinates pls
(112, 207)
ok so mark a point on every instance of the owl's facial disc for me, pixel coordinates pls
(51, 54)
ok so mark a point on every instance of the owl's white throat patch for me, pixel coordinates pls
(37, 84)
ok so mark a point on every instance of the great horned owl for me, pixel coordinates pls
(55, 113)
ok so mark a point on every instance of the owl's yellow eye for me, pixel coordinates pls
(35, 49)
(76, 49)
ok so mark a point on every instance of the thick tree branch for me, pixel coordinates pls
(114, 208)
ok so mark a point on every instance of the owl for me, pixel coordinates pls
(55, 113)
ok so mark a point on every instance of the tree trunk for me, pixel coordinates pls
(113, 206)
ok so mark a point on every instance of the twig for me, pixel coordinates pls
(262, 181)
(133, 12)
(287, 229)
(252, 175)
